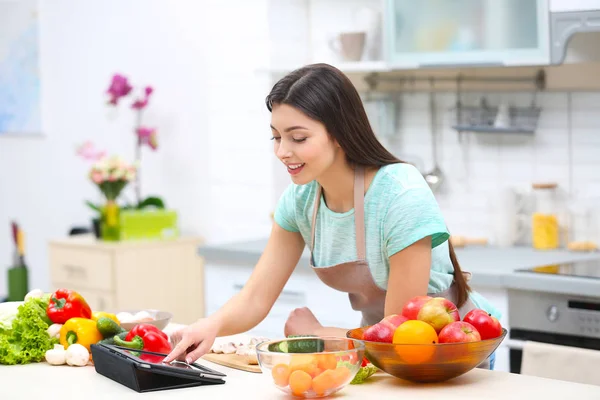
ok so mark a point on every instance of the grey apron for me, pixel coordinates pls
(355, 277)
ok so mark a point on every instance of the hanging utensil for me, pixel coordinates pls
(435, 177)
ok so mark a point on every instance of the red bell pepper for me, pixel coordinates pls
(146, 337)
(66, 304)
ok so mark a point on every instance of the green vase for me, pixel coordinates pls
(110, 226)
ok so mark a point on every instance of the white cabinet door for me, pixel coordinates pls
(574, 5)
(442, 33)
(304, 289)
(498, 297)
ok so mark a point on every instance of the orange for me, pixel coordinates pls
(300, 382)
(326, 361)
(281, 374)
(341, 375)
(324, 382)
(305, 362)
(416, 340)
(301, 359)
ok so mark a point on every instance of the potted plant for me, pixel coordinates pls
(111, 175)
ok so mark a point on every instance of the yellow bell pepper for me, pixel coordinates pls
(96, 315)
(79, 330)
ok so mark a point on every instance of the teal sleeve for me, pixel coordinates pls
(413, 215)
(285, 212)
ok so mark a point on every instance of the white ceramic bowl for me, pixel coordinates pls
(161, 318)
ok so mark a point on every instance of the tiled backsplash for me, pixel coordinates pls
(480, 168)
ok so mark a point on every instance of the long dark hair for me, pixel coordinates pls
(325, 94)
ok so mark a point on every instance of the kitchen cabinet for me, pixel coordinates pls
(167, 275)
(574, 5)
(303, 289)
(569, 18)
(436, 33)
(498, 297)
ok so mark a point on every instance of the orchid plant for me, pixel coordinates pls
(118, 89)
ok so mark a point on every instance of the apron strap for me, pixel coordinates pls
(314, 223)
(359, 215)
(359, 212)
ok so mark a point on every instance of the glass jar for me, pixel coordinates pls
(583, 227)
(544, 220)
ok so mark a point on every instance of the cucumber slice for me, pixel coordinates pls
(313, 345)
(281, 347)
(309, 345)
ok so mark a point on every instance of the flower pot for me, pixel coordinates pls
(110, 227)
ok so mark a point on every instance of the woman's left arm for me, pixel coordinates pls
(409, 277)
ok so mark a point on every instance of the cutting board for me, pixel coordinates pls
(232, 361)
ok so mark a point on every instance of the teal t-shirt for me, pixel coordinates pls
(400, 209)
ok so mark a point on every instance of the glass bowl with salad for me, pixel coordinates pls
(310, 367)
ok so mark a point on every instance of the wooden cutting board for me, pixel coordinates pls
(232, 361)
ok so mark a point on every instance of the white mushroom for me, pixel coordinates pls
(54, 331)
(229, 348)
(56, 355)
(34, 294)
(77, 355)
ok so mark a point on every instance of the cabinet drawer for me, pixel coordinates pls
(81, 268)
(98, 300)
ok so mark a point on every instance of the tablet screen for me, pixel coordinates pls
(156, 358)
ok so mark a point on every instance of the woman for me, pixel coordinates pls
(373, 226)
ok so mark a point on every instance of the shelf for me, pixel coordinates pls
(346, 67)
(491, 129)
(563, 25)
(362, 66)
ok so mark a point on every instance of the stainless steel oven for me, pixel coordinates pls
(551, 312)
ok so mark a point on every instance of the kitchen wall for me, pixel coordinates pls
(213, 163)
(481, 169)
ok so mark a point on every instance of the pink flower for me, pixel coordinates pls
(119, 87)
(88, 152)
(141, 103)
(148, 136)
(97, 177)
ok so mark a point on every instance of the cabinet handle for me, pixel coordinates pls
(75, 271)
(101, 303)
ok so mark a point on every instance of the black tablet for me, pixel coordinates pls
(144, 371)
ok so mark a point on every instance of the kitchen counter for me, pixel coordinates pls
(67, 382)
(40, 380)
(491, 266)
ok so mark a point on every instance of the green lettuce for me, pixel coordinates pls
(363, 374)
(8, 312)
(27, 340)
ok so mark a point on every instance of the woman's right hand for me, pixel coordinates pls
(193, 341)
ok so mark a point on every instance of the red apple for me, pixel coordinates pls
(459, 332)
(395, 320)
(488, 326)
(438, 312)
(413, 306)
(383, 331)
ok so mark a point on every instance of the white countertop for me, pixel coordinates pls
(41, 381)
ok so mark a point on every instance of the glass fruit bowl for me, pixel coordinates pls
(427, 362)
(310, 367)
